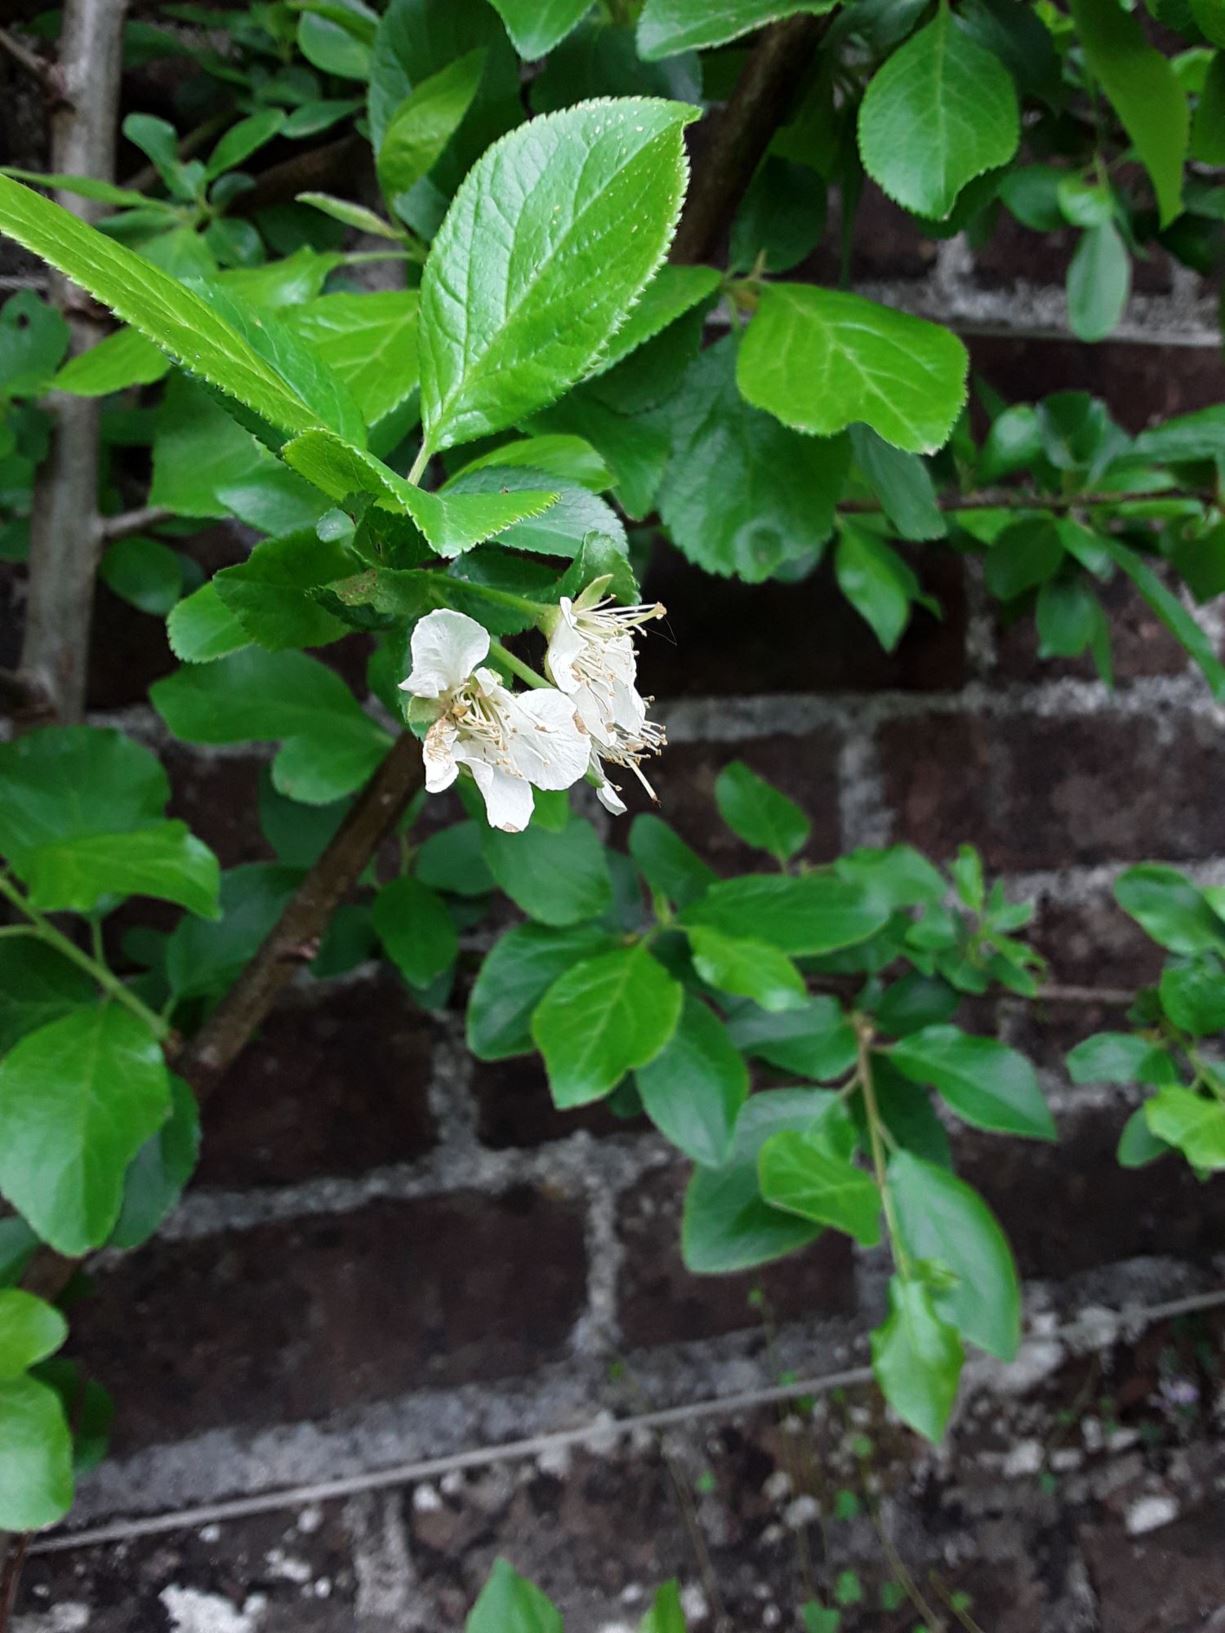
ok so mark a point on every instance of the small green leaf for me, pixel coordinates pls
(33, 339)
(518, 970)
(1099, 282)
(667, 27)
(1022, 557)
(269, 593)
(557, 878)
(37, 985)
(244, 139)
(1067, 616)
(759, 813)
(1138, 1145)
(987, 1084)
(1115, 1057)
(694, 1089)
(747, 968)
(821, 359)
(1192, 1123)
(1169, 908)
(159, 1170)
(809, 915)
(1193, 995)
(941, 111)
(666, 1614)
(666, 862)
(876, 581)
(425, 122)
(145, 572)
(202, 628)
(35, 1456)
(536, 26)
(30, 1330)
(815, 1040)
(126, 358)
(165, 861)
(901, 482)
(605, 1017)
(1208, 131)
(802, 1175)
(917, 1359)
(417, 932)
(509, 1603)
(451, 860)
(78, 1099)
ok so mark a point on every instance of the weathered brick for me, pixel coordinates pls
(333, 1087)
(515, 1108)
(936, 771)
(300, 1318)
(1141, 645)
(1094, 943)
(1014, 251)
(663, 1303)
(1172, 1578)
(217, 795)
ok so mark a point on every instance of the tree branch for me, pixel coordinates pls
(34, 65)
(1018, 499)
(128, 522)
(740, 135)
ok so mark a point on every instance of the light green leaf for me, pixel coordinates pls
(940, 111)
(328, 45)
(557, 878)
(1116, 1057)
(1144, 90)
(509, 1603)
(667, 27)
(352, 215)
(673, 291)
(694, 1090)
(666, 1614)
(536, 26)
(77, 1101)
(37, 985)
(816, 1041)
(1138, 1145)
(520, 968)
(901, 482)
(917, 1359)
(369, 342)
(269, 593)
(1169, 908)
(876, 581)
(202, 628)
(509, 321)
(987, 1084)
(604, 1017)
(30, 1330)
(35, 1456)
(166, 861)
(123, 359)
(69, 782)
(1099, 282)
(244, 139)
(811, 914)
(666, 862)
(102, 192)
(747, 968)
(159, 1171)
(1191, 1122)
(743, 495)
(805, 1176)
(1170, 611)
(417, 932)
(760, 814)
(821, 359)
(425, 122)
(1208, 131)
(943, 1220)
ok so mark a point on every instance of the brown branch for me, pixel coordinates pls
(740, 135)
(1016, 499)
(317, 170)
(128, 522)
(30, 61)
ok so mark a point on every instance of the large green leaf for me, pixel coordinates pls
(759, 813)
(368, 341)
(940, 111)
(30, 1330)
(605, 1017)
(269, 593)
(808, 915)
(747, 968)
(511, 318)
(1169, 908)
(945, 1221)
(816, 1041)
(165, 861)
(536, 26)
(917, 1358)
(743, 495)
(37, 985)
(35, 1456)
(417, 932)
(77, 1101)
(1195, 1123)
(557, 878)
(806, 1176)
(174, 317)
(159, 1170)
(518, 970)
(694, 1089)
(509, 1603)
(69, 782)
(1144, 90)
(821, 359)
(986, 1083)
(669, 26)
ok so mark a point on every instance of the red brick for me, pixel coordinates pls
(300, 1318)
(1094, 944)
(937, 770)
(663, 1303)
(1172, 1578)
(313, 1096)
(1140, 644)
(218, 797)
(515, 1108)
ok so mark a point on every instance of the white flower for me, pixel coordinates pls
(508, 740)
(591, 658)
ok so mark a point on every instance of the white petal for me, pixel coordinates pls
(595, 712)
(549, 747)
(609, 798)
(446, 648)
(439, 755)
(508, 799)
(565, 648)
(628, 708)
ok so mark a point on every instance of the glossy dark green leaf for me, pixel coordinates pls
(666, 862)
(518, 970)
(37, 985)
(159, 1171)
(901, 482)
(694, 1089)
(986, 1083)
(556, 878)
(810, 914)
(668, 26)
(417, 932)
(815, 1041)
(269, 593)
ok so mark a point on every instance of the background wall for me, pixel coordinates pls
(393, 1253)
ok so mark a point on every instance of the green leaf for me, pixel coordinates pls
(917, 1359)
(1115, 1057)
(519, 969)
(1208, 131)
(269, 593)
(943, 1220)
(352, 215)
(876, 581)
(78, 1099)
(987, 1084)
(166, 861)
(509, 1603)
(126, 358)
(940, 111)
(159, 1170)
(1068, 616)
(1144, 91)
(1099, 282)
(743, 495)
(809, 915)
(102, 192)
(30, 1330)
(747, 968)
(198, 449)
(203, 958)
(451, 523)
(821, 359)
(452, 861)
(781, 217)
(694, 1089)
(536, 26)
(425, 122)
(669, 26)
(666, 1614)
(726, 1225)
(1193, 995)
(1138, 1145)
(70, 782)
(368, 341)
(244, 139)
(201, 628)
(417, 932)
(666, 862)
(1210, 15)
(815, 1041)
(37, 985)
(33, 339)
(1169, 908)
(557, 878)
(1170, 610)
(145, 572)
(901, 482)
(758, 813)
(673, 291)
(1190, 1122)
(1022, 557)
(329, 46)
(179, 320)
(605, 1017)
(805, 1176)
(35, 1456)
(510, 321)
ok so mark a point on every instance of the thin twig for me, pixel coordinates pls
(34, 65)
(1017, 499)
(128, 522)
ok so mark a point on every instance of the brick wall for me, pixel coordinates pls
(395, 1254)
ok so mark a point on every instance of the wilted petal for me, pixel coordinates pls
(609, 798)
(549, 747)
(508, 799)
(565, 648)
(446, 648)
(438, 752)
